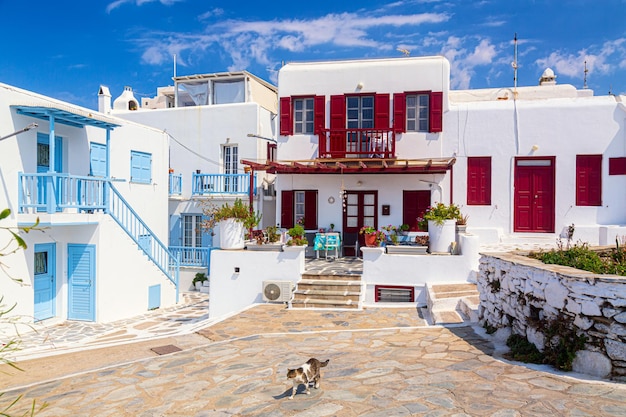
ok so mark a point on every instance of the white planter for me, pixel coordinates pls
(441, 237)
(231, 234)
(267, 247)
(406, 250)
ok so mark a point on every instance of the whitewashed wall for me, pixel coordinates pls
(231, 292)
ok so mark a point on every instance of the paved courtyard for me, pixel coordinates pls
(383, 362)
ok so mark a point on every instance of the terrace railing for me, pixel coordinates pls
(357, 143)
(190, 256)
(53, 192)
(175, 184)
(206, 184)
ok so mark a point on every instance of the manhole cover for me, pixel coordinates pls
(164, 350)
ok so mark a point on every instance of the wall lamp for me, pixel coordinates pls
(26, 129)
(253, 135)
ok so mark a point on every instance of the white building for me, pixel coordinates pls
(375, 142)
(209, 119)
(98, 186)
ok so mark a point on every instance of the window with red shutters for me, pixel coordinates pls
(286, 123)
(588, 180)
(479, 180)
(288, 208)
(381, 111)
(338, 112)
(286, 213)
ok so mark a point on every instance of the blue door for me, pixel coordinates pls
(45, 282)
(43, 166)
(81, 274)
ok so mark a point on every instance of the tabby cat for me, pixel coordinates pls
(308, 372)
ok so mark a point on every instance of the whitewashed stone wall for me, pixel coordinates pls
(514, 289)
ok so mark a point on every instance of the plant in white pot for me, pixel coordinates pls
(233, 221)
(441, 220)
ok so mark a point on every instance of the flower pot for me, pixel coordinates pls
(231, 234)
(441, 236)
(370, 240)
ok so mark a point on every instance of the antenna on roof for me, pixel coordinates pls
(514, 63)
(405, 52)
(585, 79)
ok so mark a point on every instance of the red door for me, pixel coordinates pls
(360, 210)
(534, 195)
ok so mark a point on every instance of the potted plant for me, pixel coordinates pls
(461, 223)
(265, 240)
(441, 220)
(392, 234)
(372, 236)
(199, 280)
(404, 228)
(296, 234)
(233, 220)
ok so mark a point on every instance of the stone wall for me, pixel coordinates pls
(516, 291)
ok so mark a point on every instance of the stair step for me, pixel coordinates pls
(331, 277)
(326, 286)
(327, 295)
(446, 317)
(320, 303)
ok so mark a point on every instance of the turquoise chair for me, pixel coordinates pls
(332, 243)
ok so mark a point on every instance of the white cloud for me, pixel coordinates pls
(211, 13)
(117, 3)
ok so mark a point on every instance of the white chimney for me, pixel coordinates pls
(104, 100)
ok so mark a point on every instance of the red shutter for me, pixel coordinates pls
(617, 166)
(286, 125)
(479, 180)
(399, 112)
(381, 111)
(436, 111)
(319, 114)
(286, 209)
(588, 180)
(414, 204)
(337, 112)
(310, 210)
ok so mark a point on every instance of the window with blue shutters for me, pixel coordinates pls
(98, 160)
(140, 167)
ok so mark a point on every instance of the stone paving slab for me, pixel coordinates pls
(381, 370)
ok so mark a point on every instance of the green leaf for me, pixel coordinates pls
(19, 240)
(5, 213)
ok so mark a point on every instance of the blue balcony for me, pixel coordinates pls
(54, 192)
(189, 256)
(175, 184)
(207, 184)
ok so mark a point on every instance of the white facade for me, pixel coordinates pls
(547, 126)
(97, 272)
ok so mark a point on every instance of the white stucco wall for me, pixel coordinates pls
(231, 292)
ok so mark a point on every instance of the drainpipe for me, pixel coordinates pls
(451, 184)
(107, 171)
(52, 197)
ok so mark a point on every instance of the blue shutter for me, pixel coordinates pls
(140, 167)
(175, 231)
(98, 160)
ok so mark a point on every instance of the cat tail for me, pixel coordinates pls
(323, 364)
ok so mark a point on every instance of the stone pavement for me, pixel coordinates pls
(383, 362)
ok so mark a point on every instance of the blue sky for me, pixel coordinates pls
(67, 48)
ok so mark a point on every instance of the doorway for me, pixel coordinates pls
(534, 187)
(360, 210)
(44, 286)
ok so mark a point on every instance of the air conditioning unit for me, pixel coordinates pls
(277, 291)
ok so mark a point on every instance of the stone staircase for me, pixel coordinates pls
(453, 303)
(328, 290)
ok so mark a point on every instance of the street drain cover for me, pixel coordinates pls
(164, 350)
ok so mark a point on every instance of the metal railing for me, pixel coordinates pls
(204, 184)
(190, 256)
(357, 143)
(175, 184)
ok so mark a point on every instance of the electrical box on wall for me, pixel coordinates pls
(386, 210)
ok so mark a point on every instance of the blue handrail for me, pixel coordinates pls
(176, 184)
(132, 224)
(191, 256)
(221, 184)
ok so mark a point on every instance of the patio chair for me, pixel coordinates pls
(332, 243)
(351, 240)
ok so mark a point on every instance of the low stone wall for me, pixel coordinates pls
(516, 291)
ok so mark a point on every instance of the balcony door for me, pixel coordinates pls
(231, 161)
(360, 210)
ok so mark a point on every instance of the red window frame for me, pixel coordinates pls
(479, 181)
(435, 111)
(288, 211)
(286, 114)
(400, 287)
(588, 180)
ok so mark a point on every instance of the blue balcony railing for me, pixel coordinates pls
(188, 256)
(204, 184)
(175, 184)
(53, 192)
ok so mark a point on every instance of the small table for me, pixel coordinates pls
(325, 242)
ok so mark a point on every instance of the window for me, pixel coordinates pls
(393, 294)
(417, 112)
(231, 160)
(225, 92)
(98, 160)
(140, 167)
(360, 112)
(479, 180)
(192, 230)
(303, 115)
(588, 180)
(271, 152)
(296, 205)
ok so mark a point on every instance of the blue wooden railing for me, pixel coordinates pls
(175, 184)
(132, 224)
(189, 256)
(221, 184)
